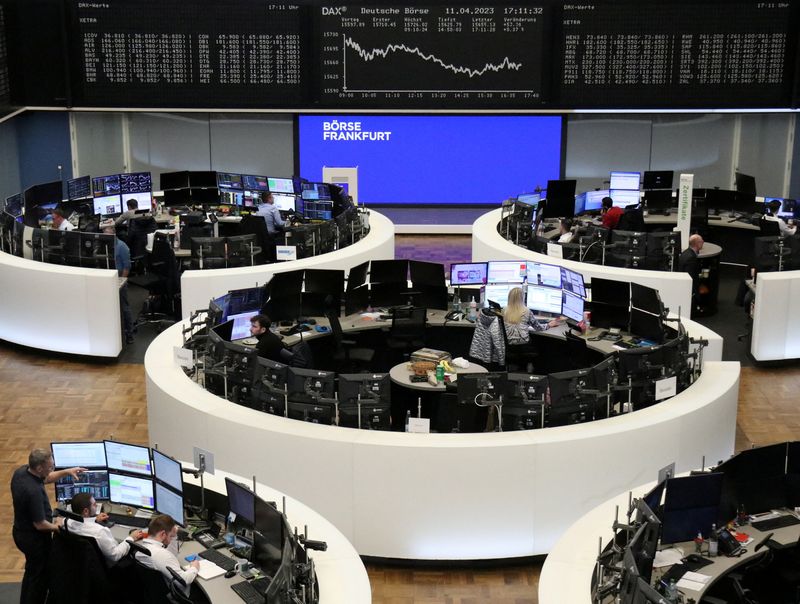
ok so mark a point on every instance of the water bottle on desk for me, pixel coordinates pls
(473, 309)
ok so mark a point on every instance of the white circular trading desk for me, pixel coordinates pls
(83, 301)
(487, 244)
(401, 376)
(340, 572)
(444, 496)
(200, 286)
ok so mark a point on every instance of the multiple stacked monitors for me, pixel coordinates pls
(131, 490)
(111, 193)
(79, 188)
(168, 486)
(628, 181)
(133, 459)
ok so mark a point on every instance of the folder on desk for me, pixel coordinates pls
(209, 570)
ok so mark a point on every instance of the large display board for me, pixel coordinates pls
(383, 54)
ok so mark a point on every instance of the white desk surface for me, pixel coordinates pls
(400, 374)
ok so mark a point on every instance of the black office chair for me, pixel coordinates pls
(243, 250)
(407, 332)
(207, 252)
(520, 357)
(577, 351)
(80, 575)
(163, 286)
(255, 225)
(768, 228)
(150, 587)
(138, 229)
(347, 357)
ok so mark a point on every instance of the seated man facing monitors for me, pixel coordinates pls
(611, 213)
(84, 505)
(271, 215)
(60, 221)
(520, 321)
(269, 345)
(689, 262)
(565, 232)
(130, 213)
(773, 209)
(162, 541)
(122, 260)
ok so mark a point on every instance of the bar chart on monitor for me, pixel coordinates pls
(393, 55)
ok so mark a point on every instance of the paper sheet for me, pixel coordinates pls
(209, 570)
(690, 585)
(667, 557)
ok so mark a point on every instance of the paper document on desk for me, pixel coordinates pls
(209, 570)
(696, 577)
(143, 514)
(690, 585)
(667, 557)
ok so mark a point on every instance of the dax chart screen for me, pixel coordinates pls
(402, 55)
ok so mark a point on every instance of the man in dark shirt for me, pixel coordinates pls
(689, 262)
(269, 345)
(33, 520)
(611, 213)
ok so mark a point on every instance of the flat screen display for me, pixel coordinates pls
(135, 182)
(94, 482)
(506, 271)
(229, 180)
(84, 455)
(435, 159)
(572, 307)
(241, 324)
(143, 200)
(468, 274)
(79, 188)
(105, 185)
(252, 182)
(543, 274)
(285, 203)
(169, 503)
(498, 292)
(594, 200)
(543, 299)
(280, 185)
(628, 181)
(167, 470)
(573, 282)
(128, 458)
(241, 500)
(623, 198)
(109, 204)
(131, 490)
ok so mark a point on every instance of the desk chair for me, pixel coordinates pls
(522, 357)
(577, 351)
(243, 250)
(138, 229)
(163, 285)
(407, 332)
(80, 574)
(347, 356)
(150, 586)
(207, 252)
(255, 225)
(768, 228)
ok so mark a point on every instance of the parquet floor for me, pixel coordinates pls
(45, 398)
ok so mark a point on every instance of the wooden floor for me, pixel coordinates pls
(45, 398)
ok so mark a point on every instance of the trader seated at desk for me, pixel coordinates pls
(84, 505)
(610, 213)
(772, 215)
(123, 218)
(60, 221)
(269, 345)
(271, 215)
(520, 321)
(162, 541)
(565, 231)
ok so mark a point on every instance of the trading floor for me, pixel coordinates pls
(43, 395)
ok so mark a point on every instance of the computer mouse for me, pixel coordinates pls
(230, 573)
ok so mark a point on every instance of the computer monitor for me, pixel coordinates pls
(573, 282)
(624, 198)
(231, 197)
(363, 386)
(657, 179)
(659, 200)
(474, 273)
(167, 470)
(543, 299)
(268, 541)
(285, 203)
(647, 326)
(594, 200)
(170, 503)
(241, 501)
(105, 185)
(787, 206)
(309, 385)
(280, 185)
(572, 306)
(128, 458)
(388, 271)
(80, 454)
(531, 199)
(690, 506)
(633, 243)
(547, 275)
(745, 183)
(560, 190)
(131, 490)
(481, 388)
(15, 205)
(653, 497)
(240, 301)
(506, 271)
(628, 181)
(253, 182)
(498, 292)
(569, 404)
(285, 301)
(755, 478)
(135, 182)
(426, 273)
(223, 331)
(324, 281)
(79, 188)
(229, 180)
(646, 299)
(558, 207)
(357, 276)
(525, 389)
(176, 180)
(607, 291)
(94, 482)
(315, 413)
(580, 204)
(107, 204)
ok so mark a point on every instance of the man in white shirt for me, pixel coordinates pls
(565, 233)
(60, 220)
(774, 207)
(84, 505)
(162, 541)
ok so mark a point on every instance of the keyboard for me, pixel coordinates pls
(775, 523)
(252, 592)
(220, 560)
(125, 520)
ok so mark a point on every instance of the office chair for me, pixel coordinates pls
(138, 229)
(518, 356)
(347, 357)
(242, 250)
(407, 332)
(577, 351)
(81, 575)
(768, 228)
(207, 252)
(162, 305)
(255, 225)
(150, 586)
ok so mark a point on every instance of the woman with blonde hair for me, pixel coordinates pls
(520, 321)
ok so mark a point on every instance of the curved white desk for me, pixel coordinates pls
(340, 571)
(444, 496)
(487, 244)
(776, 332)
(200, 286)
(59, 308)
